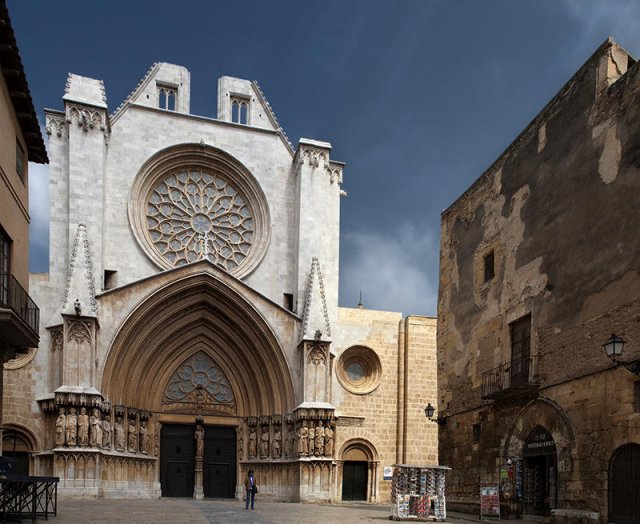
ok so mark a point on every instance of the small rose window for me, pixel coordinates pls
(359, 370)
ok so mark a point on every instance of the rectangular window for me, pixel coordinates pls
(489, 266)
(288, 301)
(21, 161)
(476, 432)
(520, 331)
(5, 257)
(110, 279)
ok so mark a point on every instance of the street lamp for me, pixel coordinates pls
(613, 347)
(429, 411)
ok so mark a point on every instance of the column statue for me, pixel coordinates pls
(71, 428)
(60, 428)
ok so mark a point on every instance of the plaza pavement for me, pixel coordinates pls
(188, 511)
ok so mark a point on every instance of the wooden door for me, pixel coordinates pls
(219, 462)
(624, 485)
(177, 459)
(354, 480)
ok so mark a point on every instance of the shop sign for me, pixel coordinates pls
(540, 442)
(489, 501)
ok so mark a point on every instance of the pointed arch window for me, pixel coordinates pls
(240, 110)
(167, 97)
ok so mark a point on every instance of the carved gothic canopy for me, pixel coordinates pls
(199, 386)
(193, 202)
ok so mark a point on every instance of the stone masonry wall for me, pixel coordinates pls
(568, 258)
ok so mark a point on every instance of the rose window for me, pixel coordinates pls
(195, 214)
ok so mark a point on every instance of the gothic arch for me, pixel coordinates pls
(546, 413)
(197, 313)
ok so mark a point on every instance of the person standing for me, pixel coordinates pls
(251, 488)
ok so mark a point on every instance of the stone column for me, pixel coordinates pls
(198, 490)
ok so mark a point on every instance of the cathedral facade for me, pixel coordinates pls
(190, 328)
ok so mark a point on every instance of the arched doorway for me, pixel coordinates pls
(195, 349)
(539, 444)
(18, 443)
(539, 458)
(359, 471)
(624, 485)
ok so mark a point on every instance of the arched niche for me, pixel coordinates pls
(357, 477)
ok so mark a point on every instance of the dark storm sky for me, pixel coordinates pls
(418, 97)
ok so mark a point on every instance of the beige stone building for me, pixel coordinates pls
(540, 264)
(193, 284)
(20, 142)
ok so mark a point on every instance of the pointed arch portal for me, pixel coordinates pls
(198, 321)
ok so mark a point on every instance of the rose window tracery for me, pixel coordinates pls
(193, 214)
(199, 373)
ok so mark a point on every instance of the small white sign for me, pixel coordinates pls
(387, 472)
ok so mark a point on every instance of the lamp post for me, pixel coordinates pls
(429, 412)
(614, 347)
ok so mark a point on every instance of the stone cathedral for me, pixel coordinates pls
(190, 328)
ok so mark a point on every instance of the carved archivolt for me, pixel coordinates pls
(193, 202)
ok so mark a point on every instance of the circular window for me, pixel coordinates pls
(193, 202)
(359, 370)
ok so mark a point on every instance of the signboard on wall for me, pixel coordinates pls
(387, 473)
(489, 501)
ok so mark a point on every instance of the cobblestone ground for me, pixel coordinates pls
(220, 512)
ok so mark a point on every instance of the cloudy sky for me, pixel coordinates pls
(418, 97)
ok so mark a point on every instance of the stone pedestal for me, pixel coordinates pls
(198, 491)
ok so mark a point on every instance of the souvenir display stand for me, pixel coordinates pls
(417, 492)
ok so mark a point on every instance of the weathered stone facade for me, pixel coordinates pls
(540, 263)
(191, 328)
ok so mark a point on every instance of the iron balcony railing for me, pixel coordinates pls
(14, 297)
(510, 378)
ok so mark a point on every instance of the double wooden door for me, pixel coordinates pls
(177, 461)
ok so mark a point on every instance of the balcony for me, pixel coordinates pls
(510, 379)
(19, 316)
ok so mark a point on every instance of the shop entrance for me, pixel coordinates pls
(177, 461)
(354, 480)
(539, 473)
